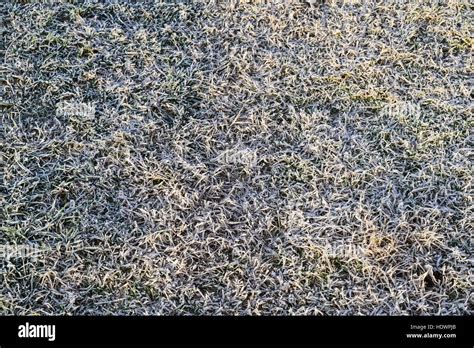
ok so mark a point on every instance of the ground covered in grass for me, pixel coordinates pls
(237, 159)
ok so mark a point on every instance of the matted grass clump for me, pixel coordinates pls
(199, 158)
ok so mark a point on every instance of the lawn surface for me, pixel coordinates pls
(237, 159)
